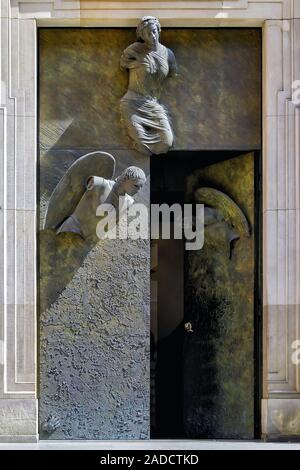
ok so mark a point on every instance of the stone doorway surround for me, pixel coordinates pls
(280, 23)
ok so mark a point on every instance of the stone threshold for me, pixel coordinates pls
(151, 445)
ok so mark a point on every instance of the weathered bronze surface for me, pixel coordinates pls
(93, 310)
(219, 304)
(214, 103)
(94, 300)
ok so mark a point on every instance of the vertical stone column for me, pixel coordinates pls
(281, 228)
(18, 408)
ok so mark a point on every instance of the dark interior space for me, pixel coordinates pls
(199, 377)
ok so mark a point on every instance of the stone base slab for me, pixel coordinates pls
(281, 418)
(19, 439)
(18, 420)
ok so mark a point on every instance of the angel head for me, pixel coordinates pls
(148, 30)
(130, 181)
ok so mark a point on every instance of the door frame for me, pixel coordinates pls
(279, 20)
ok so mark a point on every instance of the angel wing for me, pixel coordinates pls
(226, 206)
(72, 186)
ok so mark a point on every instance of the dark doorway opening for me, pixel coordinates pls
(205, 305)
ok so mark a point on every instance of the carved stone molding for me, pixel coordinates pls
(280, 21)
(18, 182)
(281, 233)
(171, 13)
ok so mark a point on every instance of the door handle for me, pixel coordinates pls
(188, 327)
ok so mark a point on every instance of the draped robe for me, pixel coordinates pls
(146, 119)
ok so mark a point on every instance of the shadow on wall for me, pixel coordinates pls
(70, 220)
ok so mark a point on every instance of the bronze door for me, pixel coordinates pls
(219, 305)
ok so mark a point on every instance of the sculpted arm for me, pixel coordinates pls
(95, 181)
(99, 188)
(129, 58)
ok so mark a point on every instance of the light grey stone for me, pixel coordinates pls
(283, 418)
(18, 417)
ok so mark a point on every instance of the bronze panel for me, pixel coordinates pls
(219, 304)
(214, 103)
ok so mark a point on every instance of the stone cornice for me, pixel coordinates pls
(171, 13)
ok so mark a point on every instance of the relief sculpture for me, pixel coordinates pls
(149, 64)
(88, 183)
(224, 221)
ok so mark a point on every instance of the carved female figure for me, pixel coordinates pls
(149, 64)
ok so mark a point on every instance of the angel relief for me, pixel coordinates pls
(87, 184)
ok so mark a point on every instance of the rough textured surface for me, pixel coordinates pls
(94, 347)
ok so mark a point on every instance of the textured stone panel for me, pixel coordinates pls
(94, 354)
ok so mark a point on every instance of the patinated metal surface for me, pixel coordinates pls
(93, 296)
(219, 304)
(214, 103)
(94, 299)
